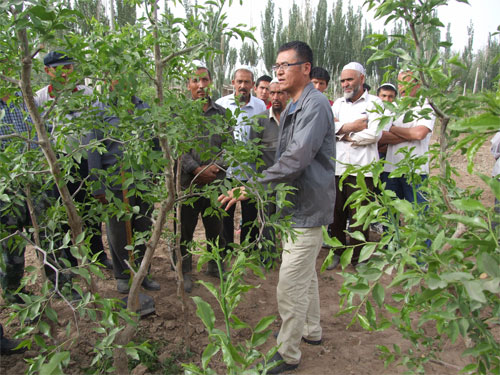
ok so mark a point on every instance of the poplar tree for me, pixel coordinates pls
(125, 13)
(267, 31)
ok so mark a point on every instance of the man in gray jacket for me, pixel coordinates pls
(304, 160)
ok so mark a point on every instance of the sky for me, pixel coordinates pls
(484, 14)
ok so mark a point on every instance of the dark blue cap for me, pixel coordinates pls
(55, 58)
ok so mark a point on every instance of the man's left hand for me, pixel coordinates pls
(230, 199)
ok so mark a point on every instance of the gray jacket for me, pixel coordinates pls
(304, 160)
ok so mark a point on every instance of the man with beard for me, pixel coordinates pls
(268, 135)
(249, 106)
(356, 128)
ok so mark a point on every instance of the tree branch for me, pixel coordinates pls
(14, 81)
(17, 135)
(179, 53)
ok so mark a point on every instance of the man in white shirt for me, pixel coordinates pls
(356, 128)
(414, 134)
(243, 82)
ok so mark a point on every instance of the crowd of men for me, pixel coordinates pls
(306, 141)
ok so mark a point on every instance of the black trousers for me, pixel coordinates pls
(189, 219)
(83, 196)
(249, 228)
(341, 215)
(117, 235)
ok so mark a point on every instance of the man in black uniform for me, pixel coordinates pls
(201, 171)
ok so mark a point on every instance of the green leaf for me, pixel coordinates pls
(490, 264)
(477, 350)
(463, 326)
(264, 323)
(453, 331)
(357, 235)
(51, 314)
(260, 338)
(55, 364)
(493, 183)
(456, 276)
(469, 369)
(475, 291)
(391, 309)
(345, 258)
(208, 353)
(367, 251)
(406, 208)
(205, 313)
(80, 238)
(364, 322)
(236, 323)
(346, 311)
(44, 328)
(434, 282)
(378, 293)
(40, 12)
(358, 288)
(473, 222)
(132, 352)
(468, 204)
(477, 124)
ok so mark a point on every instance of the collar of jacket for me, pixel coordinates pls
(307, 89)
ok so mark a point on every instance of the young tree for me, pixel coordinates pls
(446, 256)
(106, 56)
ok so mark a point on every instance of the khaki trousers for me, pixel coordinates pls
(297, 292)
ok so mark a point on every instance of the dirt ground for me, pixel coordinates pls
(343, 351)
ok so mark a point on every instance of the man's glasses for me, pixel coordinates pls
(285, 65)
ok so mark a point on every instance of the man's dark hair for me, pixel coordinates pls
(302, 50)
(264, 78)
(208, 71)
(387, 86)
(320, 73)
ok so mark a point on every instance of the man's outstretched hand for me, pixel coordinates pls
(232, 197)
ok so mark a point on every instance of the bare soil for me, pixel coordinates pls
(343, 351)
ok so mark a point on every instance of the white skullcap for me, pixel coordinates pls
(388, 85)
(199, 64)
(275, 80)
(243, 67)
(355, 66)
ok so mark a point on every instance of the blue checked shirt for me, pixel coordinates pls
(14, 119)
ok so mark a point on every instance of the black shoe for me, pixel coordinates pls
(150, 284)
(312, 342)
(307, 341)
(122, 286)
(188, 282)
(281, 366)
(8, 346)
